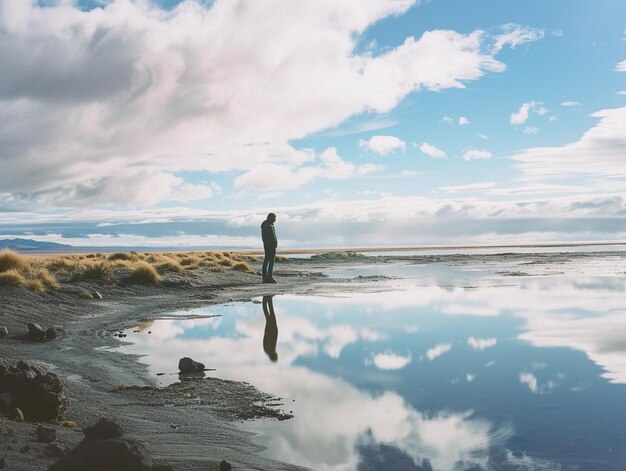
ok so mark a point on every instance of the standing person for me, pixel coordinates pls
(270, 242)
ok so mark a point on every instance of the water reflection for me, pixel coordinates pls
(270, 337)
(525, 376)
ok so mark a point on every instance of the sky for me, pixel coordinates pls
(359, 122)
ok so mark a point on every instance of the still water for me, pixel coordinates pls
(528, 374)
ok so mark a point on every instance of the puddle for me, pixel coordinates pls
(517, 377)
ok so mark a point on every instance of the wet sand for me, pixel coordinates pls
(194, 426)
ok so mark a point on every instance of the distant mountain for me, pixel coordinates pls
(28, 245)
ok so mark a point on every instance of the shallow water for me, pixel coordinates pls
(522, 376)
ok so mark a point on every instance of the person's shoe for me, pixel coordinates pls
(271, 280)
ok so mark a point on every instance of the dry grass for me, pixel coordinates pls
(92, 271)
(145, 273)
(243, 266)
(12, 278)
(86, 294)
(10, 260)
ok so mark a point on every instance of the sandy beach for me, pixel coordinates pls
(194, 425)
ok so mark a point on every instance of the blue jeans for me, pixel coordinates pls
(268, 261)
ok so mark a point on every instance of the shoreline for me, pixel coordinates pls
(189, 435)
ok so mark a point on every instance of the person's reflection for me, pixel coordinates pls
(270, 337)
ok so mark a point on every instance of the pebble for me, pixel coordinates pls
(46, 434)
(3, 331)
(225, 466)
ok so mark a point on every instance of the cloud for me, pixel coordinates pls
(432, 151)
(438, 350)
(513, 35)
(598, 153)
(463, 121)
(481, 344)
(469, 187)
(383, 145)
(390, 361)
(571, 104)
(129, 87)
(621, 66)
(529, 379)
(474, 154)
(447, 120)
(522, 114)
(531, 130)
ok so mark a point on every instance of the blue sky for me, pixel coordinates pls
(365, 122)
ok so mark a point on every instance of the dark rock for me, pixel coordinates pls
(33, 389)
(225, 466)
(36, 332)
(46, 434)
(54, 451)
(104, 428)
(187, 365)
(6, 401)
(97, 454)
(15, 414)
(51, 333)
(3, 331)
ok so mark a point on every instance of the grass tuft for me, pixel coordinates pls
(10, 260)
(243, 266)
(145, 273)
(93, 271)
(12, 278)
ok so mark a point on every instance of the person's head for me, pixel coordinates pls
(271, 217)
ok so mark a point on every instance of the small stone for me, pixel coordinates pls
(104, 428)
(3, 331)
(225, 466)
(36, 332)
(96, 295)
(51, 333)
(16, 415)
(22, 365)
(6, 400)
(46, 434)
(187, 365)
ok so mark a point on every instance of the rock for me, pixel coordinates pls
(51, 333)
(96, 295)
(225, 466)
(15, 414)
(98, 454)
(25, 449)
(6, 401)
(39, 393)
(36, 332)
(46, 434)
(104, 428)
(187, 365)
(3, 331)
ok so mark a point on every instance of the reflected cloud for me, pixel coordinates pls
(389, 361)
(438, 350)
(481, 344)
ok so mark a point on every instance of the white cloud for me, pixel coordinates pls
(447, 120)
(432, 151)
(391, 361)
(463, 121)
(474, 154)
(570, 104)
(483, 136)
(481, 344)
(438, 350)
(513, 35)
(470, 377)
(531, 130)
(522, 114)
(622, 92)
(383, 145)
(599, 152)
(621, 66)
(469, 187)
(203, 87)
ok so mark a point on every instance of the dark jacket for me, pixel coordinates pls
(269, 235)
